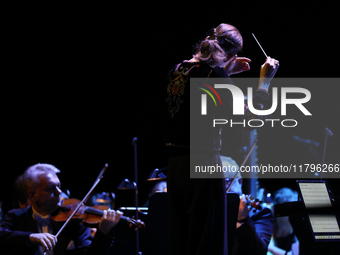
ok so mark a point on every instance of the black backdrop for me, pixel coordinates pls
(81, 80)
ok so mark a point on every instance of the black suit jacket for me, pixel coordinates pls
(18, 224)
(254, 235)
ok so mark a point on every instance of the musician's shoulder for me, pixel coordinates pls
(19, 211)
(265, 212)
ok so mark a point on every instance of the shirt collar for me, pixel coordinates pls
(36, 214)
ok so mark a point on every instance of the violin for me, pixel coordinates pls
(75, 209)
(90, 215)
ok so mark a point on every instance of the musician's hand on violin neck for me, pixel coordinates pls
(47, 240)
(243, 210)
(109, 220)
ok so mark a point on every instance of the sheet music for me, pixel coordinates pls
(324, 223)
(316, 195)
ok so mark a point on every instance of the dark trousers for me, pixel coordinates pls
(197, 208)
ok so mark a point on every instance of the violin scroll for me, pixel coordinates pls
(138, 224)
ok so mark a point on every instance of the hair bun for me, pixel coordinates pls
(213, 34)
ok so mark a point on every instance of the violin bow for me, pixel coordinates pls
(102, 172)
(100, 176)
(244, 161)
(84, 199)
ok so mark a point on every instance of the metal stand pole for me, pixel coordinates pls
(134, 143)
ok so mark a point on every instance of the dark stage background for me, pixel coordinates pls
(82, 80)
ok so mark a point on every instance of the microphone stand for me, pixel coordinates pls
(134, 143)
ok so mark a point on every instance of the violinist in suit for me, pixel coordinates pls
(31, 231)
(253, 229)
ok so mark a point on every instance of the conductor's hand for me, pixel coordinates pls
(45, 239)
(268, 70)
(109, 220)
(236, 65)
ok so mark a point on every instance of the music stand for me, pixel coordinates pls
(313, 239)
